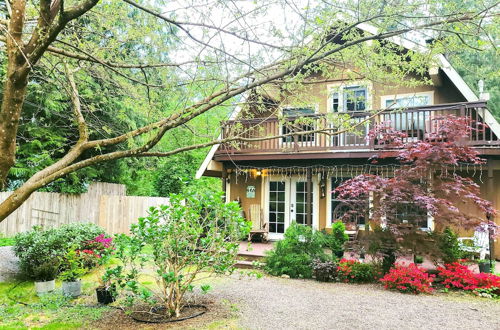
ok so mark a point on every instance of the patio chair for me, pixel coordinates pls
(259, 227)
(480, 243)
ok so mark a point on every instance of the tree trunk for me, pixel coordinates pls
(12, 103)
(14, 201)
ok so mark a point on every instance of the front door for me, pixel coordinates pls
(287, 202)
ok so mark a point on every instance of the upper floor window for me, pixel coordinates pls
(291, 126)
(351, 98)
(407, 100)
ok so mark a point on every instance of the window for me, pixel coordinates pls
(291, 126)
(411, 122)
(348, 211)
(411, 213)
(352, 98)
(408, 101)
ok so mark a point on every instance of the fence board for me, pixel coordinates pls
(104, 204)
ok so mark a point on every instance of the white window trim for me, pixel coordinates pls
(338, 87)
(430, 218)
(384, 98)
(282, 143)
(329, 203)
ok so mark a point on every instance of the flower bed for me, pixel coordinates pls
(408, 279)
(353, 271)
(458, 276)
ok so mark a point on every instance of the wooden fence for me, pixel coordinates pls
(104, 204)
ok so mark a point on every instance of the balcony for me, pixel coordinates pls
(418, 124)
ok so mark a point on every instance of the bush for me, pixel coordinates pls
(353, 271)
(411, 279)
(186, 241)
(449, 246)
(294, 254)
(458, 276)
(324, 271)
(336, 240)
(38, 249)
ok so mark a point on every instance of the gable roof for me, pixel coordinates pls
(444, 64)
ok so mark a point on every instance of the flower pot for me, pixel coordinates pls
(484, 267)
(72, 289)
(44, 287)
(105, 295)
(339, 254)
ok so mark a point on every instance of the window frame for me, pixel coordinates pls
(282, 142)
(385, 98)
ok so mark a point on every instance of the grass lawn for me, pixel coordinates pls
(6, 241)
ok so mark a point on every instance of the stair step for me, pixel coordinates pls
(249, 256)
(244, 264)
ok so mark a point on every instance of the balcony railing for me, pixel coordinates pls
(418, 123)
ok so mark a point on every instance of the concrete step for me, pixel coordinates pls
(244, 264)
(249, 256)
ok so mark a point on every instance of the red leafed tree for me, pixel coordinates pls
(428, 180)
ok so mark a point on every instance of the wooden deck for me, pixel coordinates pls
(418, 123)
(250, 252)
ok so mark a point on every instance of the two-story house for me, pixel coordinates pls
(291, 178)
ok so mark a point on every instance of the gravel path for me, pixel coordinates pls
(276, 303)
(8, 263)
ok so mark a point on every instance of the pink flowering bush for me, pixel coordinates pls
(408, 279)
(459, 276)
(96, 249)
(353, 271)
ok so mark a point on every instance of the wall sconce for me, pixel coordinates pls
(258, 173)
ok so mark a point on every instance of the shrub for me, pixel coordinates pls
(37, 249)
(92, 252)
(294, 254)
(73, 267)
(324, 271)
(449, 246)
(336, 240)
(353, 271)
(458, 276)
(410, 279)
(185, 241)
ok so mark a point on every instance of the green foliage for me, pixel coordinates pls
(352, 271)
(72, 265)
(195, 233)
(40, 251)
(294, 254)
(6, 241)
(336, 239)
(449, 245)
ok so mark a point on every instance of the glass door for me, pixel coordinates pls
(278, 206)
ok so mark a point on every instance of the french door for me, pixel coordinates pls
(287, 203)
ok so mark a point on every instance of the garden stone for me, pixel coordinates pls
(9, 264)
(285, 276)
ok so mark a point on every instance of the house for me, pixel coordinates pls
(291, 178)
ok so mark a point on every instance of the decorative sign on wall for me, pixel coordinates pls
(250, 191)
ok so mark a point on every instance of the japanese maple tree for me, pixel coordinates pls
(428, 178)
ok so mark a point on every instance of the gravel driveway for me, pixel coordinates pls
(276, 303)
(8, 263)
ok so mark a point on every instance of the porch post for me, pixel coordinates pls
(490, 191)
(224, 180)
(309, 190)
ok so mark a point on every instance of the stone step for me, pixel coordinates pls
(249, 256)
(244, 264)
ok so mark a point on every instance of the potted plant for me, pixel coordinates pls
(418, 259)
(484, 266)
(336, 240)
(106, 291)
(44, 276)
(72, 266)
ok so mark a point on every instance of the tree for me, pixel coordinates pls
(193, 237)
(62, 38)
(428, 183)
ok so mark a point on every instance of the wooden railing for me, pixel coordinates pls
(318, 132)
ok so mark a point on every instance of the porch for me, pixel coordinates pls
(419, 123)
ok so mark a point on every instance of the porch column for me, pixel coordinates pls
(490, 192)
(224, 180)
(309, 192)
